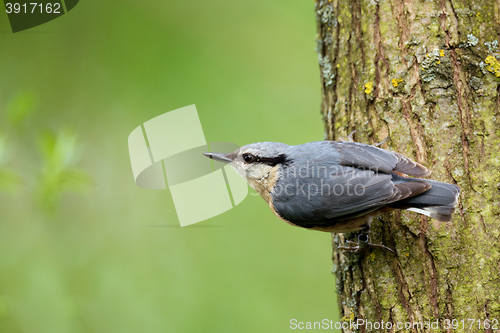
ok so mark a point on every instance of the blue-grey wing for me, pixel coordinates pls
(364, 156)
(319, 199)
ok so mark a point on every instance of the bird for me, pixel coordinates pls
(339, 186)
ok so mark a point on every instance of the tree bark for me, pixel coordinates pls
(426, 75)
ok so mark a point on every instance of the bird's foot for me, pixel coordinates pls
(355, 248)
(362, 245)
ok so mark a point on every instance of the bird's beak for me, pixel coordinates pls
(221, 157)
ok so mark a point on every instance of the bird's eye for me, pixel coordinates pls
(248, 158)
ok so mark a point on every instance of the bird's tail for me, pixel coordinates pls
(438, 202)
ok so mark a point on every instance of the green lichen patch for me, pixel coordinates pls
(476, 84)
(412, 42)
(326, 70)
(436, 71)
(492, 46)
(471, 40)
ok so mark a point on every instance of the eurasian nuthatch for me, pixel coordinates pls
(338, 186)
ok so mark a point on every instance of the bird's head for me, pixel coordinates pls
(255, 161)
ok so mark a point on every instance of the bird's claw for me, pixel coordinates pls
(351, 249)
(362, 245)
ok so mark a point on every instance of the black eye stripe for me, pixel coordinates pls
(272, 161)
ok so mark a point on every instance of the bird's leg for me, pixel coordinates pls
(362, 245)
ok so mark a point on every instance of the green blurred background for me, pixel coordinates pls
(82, 248)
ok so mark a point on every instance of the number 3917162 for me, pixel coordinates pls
(33, 7)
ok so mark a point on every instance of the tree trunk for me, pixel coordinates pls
(425, 74)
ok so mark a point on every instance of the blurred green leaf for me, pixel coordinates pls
(58, 149)
(9, 180)
(59, 152)
(21, 107)
(3, 145)
(76, 180)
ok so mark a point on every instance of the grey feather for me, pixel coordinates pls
(315, 201)
(373, 158)
(311, 200)
(439, 202)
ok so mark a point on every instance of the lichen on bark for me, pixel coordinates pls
(424, 74)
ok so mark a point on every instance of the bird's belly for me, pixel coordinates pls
(341, 226)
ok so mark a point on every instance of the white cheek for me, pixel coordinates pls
(257, 173)
(240, 170)
(252, 174)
